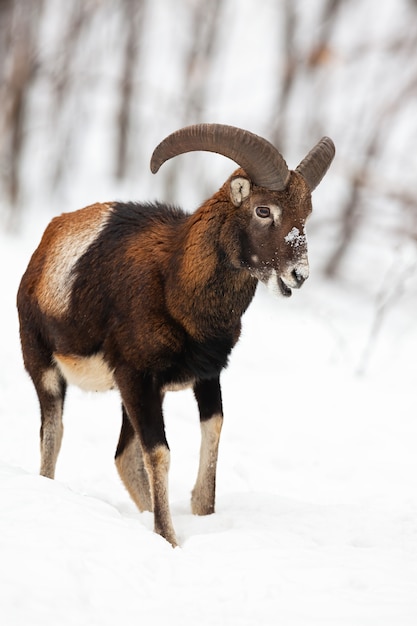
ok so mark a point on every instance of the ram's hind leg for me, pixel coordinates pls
(208, 395)
(51, 389)
(131, 468)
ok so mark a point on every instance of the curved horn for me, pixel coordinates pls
(260, 159)
(314, 166)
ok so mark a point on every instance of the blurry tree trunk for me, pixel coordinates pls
(289, 72)
(205, 21)
(361, 177)
(19, 29)
(62, 82)
(132, 16)
(300, 64)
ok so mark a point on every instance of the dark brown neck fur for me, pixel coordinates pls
(217, 292)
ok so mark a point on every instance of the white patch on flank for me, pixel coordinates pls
(89, 373)
(295, 238)
(58, 279)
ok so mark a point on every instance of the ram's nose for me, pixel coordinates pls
(296, 275)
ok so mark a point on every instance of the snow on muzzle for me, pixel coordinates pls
(297, 270)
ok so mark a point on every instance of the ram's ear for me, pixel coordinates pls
(239, 190)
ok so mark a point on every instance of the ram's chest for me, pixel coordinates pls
(198, 360)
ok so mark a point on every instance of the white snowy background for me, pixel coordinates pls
(316, 519)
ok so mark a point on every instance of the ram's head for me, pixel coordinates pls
(273, 202)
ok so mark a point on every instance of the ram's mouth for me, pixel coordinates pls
(277, 285)
(284, 289)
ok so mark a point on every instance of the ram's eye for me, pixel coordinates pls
(263, 211)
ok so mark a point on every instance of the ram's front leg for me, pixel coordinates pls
(208, 396)
(142, 401)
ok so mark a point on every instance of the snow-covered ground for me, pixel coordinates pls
(316, 518)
